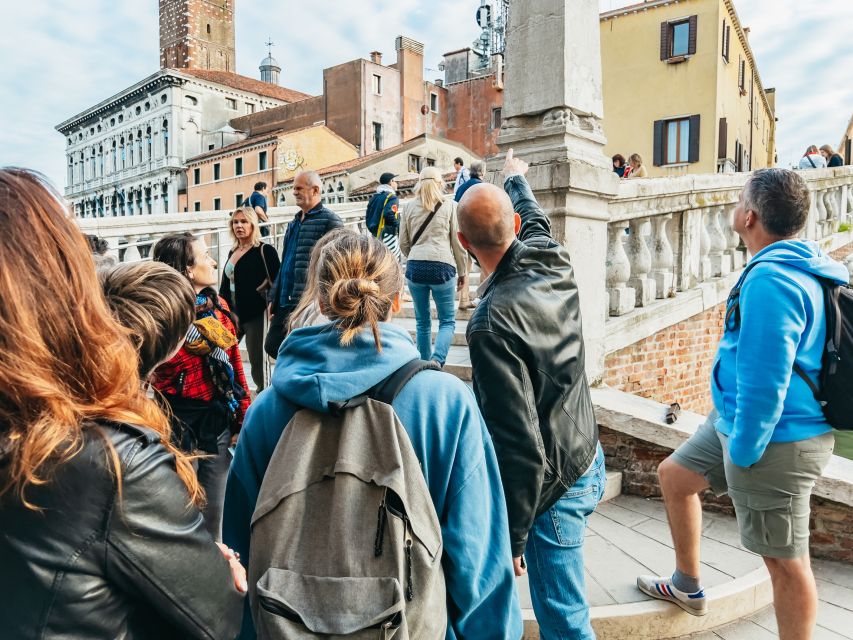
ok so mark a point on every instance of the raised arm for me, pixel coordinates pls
(535, 225)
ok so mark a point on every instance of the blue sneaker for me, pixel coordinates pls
(661, 588)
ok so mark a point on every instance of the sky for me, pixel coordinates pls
(60, 57)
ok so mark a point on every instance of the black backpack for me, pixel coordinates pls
(834, 387)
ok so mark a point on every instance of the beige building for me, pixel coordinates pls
(682, 89)
(406, 160)
(223, 178)
(845, 147)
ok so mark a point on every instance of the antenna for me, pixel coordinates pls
(270, 44)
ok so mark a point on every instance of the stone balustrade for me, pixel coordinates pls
(672, 250)
(131, 237)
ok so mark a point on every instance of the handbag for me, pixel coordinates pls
(264, 288)
(426, 223)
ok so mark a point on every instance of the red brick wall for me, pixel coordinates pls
(672, 365)
(469, 119)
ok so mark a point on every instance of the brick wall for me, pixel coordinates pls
(831, 523)
(672, 365)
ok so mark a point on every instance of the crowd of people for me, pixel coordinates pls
(145, 494)
(822, 158)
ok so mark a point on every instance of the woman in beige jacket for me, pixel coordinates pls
(437, 263)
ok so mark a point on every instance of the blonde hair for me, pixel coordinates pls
(154, 303)
(430, 188)
(828, 149)
(311, 291)
(635, 157)
(252, 217)
(358, 279)
(66, 366)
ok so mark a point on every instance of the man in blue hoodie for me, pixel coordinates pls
(766, 441)
(450, 440)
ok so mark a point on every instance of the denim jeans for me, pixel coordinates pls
(445, 302)
(554, 558)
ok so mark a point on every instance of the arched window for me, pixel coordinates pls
(113, 164)
(101, 160)
(122, 153)
(70, 175)
(165, 137)
(139, 146)
(130, 150)
(148, 148)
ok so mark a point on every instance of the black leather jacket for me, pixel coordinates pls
(527, 354)
(92, 565)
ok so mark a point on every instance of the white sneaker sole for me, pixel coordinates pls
(685, 607)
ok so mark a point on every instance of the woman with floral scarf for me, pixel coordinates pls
(204, 384)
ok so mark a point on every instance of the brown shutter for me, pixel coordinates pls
(728, 40)
(691, 38)
(664, 41)
(694, 139)
(658, 143)
(722, 143)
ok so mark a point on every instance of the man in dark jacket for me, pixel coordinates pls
(527, 354)
(382, 217)
(311, 223)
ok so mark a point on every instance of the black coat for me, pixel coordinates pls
(249, 273)
(91, 565)
(527, 354)
(318, 222)
(835, 161)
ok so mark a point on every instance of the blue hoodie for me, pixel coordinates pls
(755, 391)
(450, 440)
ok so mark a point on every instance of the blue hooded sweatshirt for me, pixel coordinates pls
(755, 391)
(449, 437)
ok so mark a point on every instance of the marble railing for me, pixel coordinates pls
(132, 237)
(668, 237)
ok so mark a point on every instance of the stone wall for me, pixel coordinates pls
(831, 522)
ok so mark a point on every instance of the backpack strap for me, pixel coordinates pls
(732, 320)
(386, 390)
(831, 293)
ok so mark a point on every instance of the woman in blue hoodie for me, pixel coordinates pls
(359, 284)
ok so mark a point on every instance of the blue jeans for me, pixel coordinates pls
(554, 556)
(445, 302)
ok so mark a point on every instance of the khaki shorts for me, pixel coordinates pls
(771, 497)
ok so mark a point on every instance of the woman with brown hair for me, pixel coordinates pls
(248, 274)
(99, 528)
(204, 383)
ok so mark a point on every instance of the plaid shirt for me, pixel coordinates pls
(186, 374)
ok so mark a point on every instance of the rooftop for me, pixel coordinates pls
(245, 83)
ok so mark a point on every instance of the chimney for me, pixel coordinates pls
(410, 64)
(439, 82)
(376, 57)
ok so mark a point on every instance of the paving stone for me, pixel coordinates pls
(744, 630)
(835, 619)
(834, 572)
(835, 594)
(620, 514)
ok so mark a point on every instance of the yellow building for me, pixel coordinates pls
(223, 178)
(682, 89)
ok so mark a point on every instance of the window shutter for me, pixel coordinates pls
(658, 143)
(722, 143)
(694, 139)
(664, 41)
(728, 40)
(691, 39)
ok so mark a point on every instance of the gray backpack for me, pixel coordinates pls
(345, 540)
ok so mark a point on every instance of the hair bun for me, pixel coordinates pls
(348, 297)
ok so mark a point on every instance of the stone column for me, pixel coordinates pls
(552, 117)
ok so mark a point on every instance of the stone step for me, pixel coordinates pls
(407, 311)
(409, 324)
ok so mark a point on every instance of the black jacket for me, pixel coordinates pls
(318, 222)
(527, 353)
(91, 565)
(383, 204)
(249, 273)
(835, 161)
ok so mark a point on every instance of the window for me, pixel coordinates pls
(676, 141)
(741, 77)
(497, 117)
(197, 206)
(262, 161)
(430, 162)
(196, 175)
(208, 29)
(377, 84)
(678, 39)
(216, 171)
(250, 108)
(238, 200)
(377, 136)
(723, 140)
(165, 138)
(727, 32)
(238, 166)
(210, 147)
(217, 204)
(433, 102)
(414, 163)
(231, 103)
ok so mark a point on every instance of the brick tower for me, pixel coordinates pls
(197, 34)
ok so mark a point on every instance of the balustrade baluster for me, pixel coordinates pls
(641, 262)
(721, 263)
(663, 259)
(621, 297)
(705, 272)
(733, 238)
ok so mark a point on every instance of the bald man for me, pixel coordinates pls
(527, 353)
(310, 223)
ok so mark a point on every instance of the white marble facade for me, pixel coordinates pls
(126, 155)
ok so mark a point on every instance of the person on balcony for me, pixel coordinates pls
(635, 168)
(527, 355)
(812, 159)
(247, 278)
(310, 223)
(437, 265)
(619, 165)
(101, 536)
(767, 440)
(204, 383)
(832, 159)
